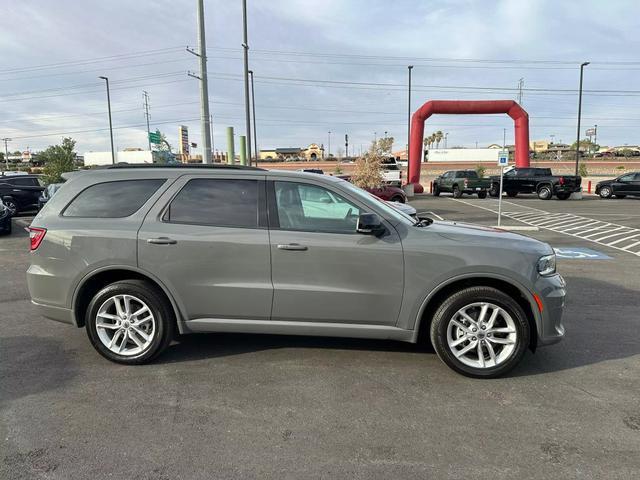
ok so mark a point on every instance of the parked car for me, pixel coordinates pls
(319, 171)
(389, 193)
(20, 192)
(5, 219)
(47, 193)
(460, 182)
(391, 171)
(627, 184)
(134, 254)
(536, 180)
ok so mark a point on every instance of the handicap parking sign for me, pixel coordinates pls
(503, 158)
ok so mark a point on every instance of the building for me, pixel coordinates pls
(309, 154)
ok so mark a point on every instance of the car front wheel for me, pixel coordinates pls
(545, 193)
(129, 322)
(605, 192)
(436, 190)
(480, 332)
(11, 205)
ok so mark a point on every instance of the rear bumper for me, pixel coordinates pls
(552, 292)
(59, 314)
(566, 188)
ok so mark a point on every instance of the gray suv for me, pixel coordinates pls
(136, 255)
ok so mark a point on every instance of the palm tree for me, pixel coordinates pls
(425, 142)
(438, 138)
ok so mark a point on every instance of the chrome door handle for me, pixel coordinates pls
(292, 246)
(162, 241)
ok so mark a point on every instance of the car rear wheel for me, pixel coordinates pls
(480, 332)
(11, 205)
(544, 192)
(493, 191)
(457, 193)
(436, 190)
(482, 194)
(605, 192)
(398, 199)
(129, 322)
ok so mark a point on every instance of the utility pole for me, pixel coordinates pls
(146, 114)
(245, 46)
(595, 136)
(520, 85)
(255, 135)
(6, 140)
(346, 145)
(579, 115)
(446, 136)
(329, 144)
(113, 153)
(410, 67)
(205, 129)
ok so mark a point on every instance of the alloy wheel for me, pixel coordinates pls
(125, 325)
(482, 335)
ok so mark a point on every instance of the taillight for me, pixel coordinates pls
(466, 183)
(36, 235)
(561, 181)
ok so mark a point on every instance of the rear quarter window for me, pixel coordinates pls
(116, 199)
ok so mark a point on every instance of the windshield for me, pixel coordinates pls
(389, 211)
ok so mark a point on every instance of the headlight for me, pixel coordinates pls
(547, 265)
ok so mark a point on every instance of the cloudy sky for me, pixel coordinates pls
(320, 65)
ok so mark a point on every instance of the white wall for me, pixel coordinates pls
(463, 155)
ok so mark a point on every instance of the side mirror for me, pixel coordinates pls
(370, 224)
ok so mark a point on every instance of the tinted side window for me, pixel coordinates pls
(627, 178)
(470, 174)
(112, 199)
(216, 202)
(24, 182)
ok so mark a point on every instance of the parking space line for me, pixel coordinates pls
(577, 226)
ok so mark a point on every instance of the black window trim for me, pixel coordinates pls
(274, 220)
(263, 223)
(93, 217)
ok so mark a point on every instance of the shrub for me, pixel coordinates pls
(481, 170)
(582, 170)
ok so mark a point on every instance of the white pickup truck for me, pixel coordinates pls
(391, 171)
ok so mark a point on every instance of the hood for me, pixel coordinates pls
(468, 233)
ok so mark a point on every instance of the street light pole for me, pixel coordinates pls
(446, 135)
(245, 46)
(329, 154)
(255, 135)
(579, 115)
(113, 153)
(410, 67)
(6, 140)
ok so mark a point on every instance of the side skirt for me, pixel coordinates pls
(277, 327)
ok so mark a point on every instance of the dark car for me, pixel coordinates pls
(5, 219)
(536, 180)
(389, 193)
(20, 192)
(627, 184)
(461, 181)
(47, 193)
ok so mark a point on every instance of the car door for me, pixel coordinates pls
(207, 239)
(636, 185)
(322, 269)
(624, 185)
(24, 191)
(445, 182)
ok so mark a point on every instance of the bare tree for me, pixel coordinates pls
(368, 171)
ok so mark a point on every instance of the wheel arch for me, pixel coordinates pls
(98, 279)
(435, 298)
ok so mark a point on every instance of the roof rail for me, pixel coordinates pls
(221, 166)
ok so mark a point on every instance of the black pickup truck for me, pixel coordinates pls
(536, 180)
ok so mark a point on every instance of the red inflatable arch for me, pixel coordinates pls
(465, 107)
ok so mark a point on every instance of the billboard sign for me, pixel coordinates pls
(183, 133)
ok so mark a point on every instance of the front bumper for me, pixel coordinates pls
(552, 292)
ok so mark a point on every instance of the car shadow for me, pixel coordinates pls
(590, 338)
(212, 345)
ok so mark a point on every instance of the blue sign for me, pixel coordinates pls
(580, 253)
(503, 158)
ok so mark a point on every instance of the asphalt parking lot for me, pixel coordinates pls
(250, 406)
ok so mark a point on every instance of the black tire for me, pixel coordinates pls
(467, 296)
(511, 194)
(398, 199)
(159, 307)
(606, 192)
(11, 205)
(545, 192)
(436, 190)
(493, 191)
(482, 194)
(457, 193)
(620, 196)
(563, 195)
